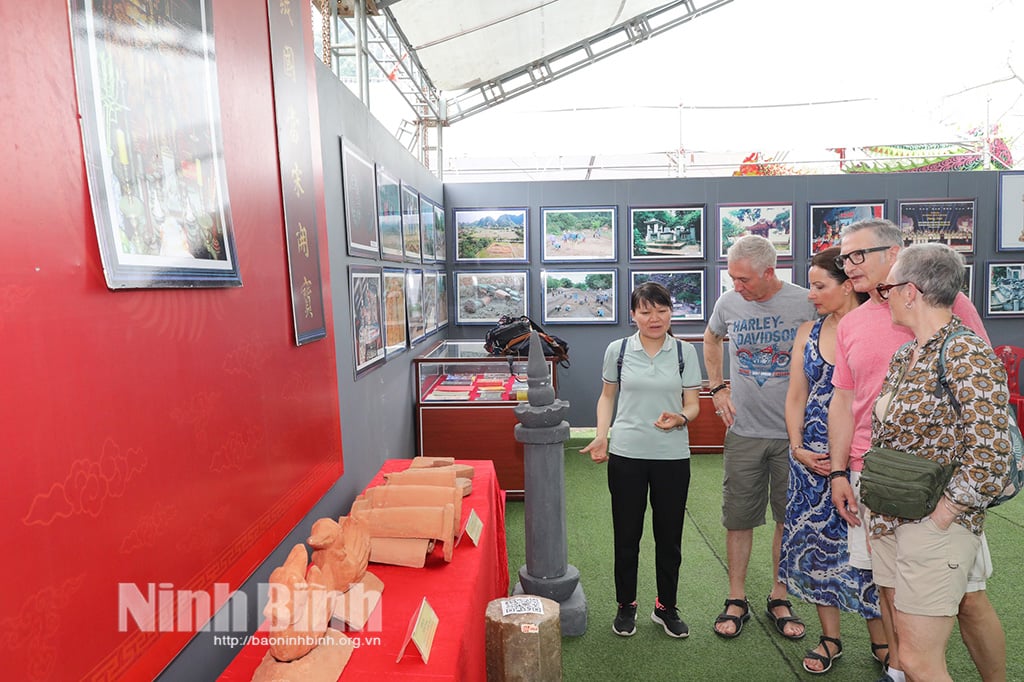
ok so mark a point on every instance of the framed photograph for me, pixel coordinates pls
(360, 194)
(389, 216)
(578, 234)
(968, 286)
(490, 234)
(947, 221)
(367, 327)
(1011, 212)
(396, 334)
(430, 301)
(579, 296)
(666, 233)
(774, 222)
(686, 287)
(414, 305)
(827, 220)
(725, 281)
(411, 224)
(442, 300)
(427, 239)
(1005, 290)
(440, 239)
(153, 144)
(483, 297)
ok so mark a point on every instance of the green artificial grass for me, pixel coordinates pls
(759, 652)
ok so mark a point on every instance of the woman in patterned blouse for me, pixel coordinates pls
(921, 566)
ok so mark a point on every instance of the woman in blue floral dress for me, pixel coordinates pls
(814, 563)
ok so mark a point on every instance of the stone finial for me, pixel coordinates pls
(538, 375)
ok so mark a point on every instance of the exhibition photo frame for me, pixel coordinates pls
(1004, 290)
(365, 289)
(396, 331)
(440, 234)
(580, 296)
(428, 241)
(414, 305)
(826, 221)
(442, 299)
(686, 286)
(1010, 235)
(946, 221)
(389, 216)
(667, 233)
(411, 244)
(773, 221)
(968, 283)
(483, 296)
(578, 233)
(359, 192)
(491, 235)
(430, 301)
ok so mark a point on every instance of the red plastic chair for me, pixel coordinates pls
(1012, 357)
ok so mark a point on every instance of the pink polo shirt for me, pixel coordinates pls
(866, 340)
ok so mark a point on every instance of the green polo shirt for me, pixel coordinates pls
(649, 386)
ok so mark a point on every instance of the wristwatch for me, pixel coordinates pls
(839, 472)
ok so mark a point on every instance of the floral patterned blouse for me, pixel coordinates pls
(922, 420)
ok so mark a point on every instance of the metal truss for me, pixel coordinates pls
(377, 37)
(576, 56)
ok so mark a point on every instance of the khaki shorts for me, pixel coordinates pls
(756, 470)
(860, 552)
(926, 566)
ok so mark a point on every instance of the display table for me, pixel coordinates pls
(458, 591)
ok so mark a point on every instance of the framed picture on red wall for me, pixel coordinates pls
(154, 148)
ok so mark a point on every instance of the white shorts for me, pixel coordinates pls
(860, 551)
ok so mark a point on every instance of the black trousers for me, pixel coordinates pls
(629, 481)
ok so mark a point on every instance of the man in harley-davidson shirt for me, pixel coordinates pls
(760, 316)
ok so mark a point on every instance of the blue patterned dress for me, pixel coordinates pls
(815, 561)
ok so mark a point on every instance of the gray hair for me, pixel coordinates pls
(935, 269)
(755, 249)
(885, 231)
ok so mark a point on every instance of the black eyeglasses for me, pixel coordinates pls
(884, 289)
(857, 257)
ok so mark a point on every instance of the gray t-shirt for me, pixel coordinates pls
(760, 345)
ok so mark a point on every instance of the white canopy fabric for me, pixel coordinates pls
(461, 43)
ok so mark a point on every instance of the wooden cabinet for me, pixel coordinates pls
(479, 421)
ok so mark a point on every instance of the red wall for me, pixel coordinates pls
(162, 436)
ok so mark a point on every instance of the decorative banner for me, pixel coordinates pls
(294, 148)
(151, 130)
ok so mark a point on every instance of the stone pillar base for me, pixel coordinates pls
(524, 647)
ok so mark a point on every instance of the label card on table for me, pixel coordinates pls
(422, 629)
(474, 526)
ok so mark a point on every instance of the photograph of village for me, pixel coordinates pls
(686, 287)
(579, 296)
(660, 233)
(774, 222)
(949, 222)
(578, 234)
(490, 234)
(483, 297)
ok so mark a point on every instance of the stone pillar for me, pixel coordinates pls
(543, 432)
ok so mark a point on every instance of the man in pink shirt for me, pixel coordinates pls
(866, 340)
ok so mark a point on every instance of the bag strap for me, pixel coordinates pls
(943, 383)
(622, 353)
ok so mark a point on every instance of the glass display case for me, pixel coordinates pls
(464, 406)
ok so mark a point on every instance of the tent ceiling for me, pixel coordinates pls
(463, 43)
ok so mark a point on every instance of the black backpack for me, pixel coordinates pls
(512, 337)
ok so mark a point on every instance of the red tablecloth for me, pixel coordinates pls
(458, 591)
